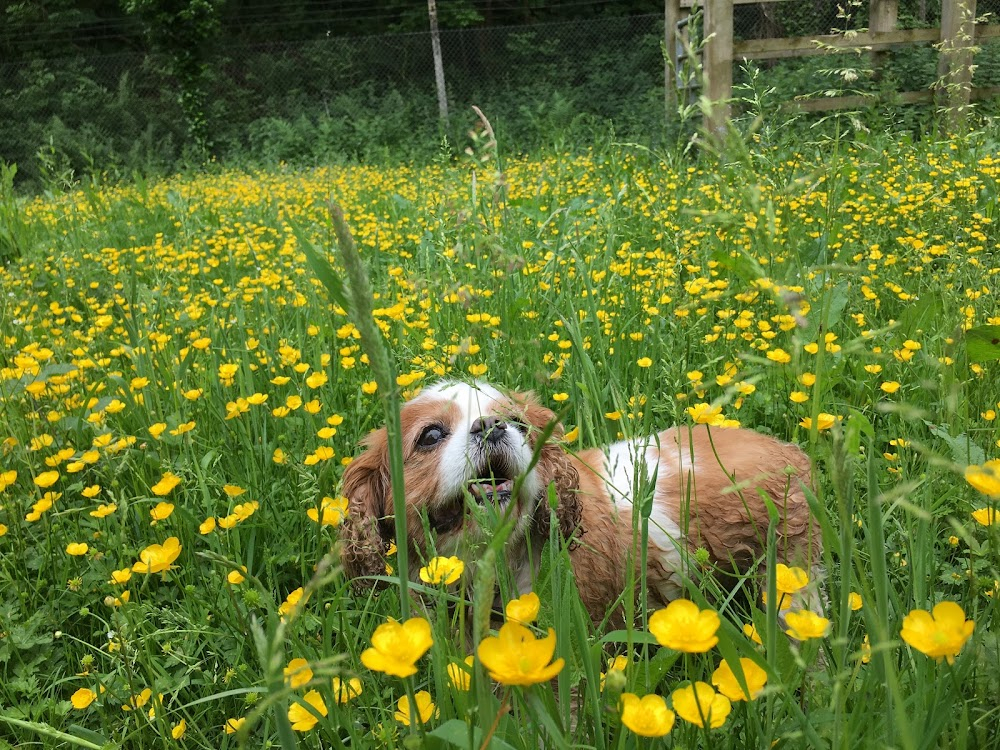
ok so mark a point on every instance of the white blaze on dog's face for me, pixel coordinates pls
(467, 442)
(467, 466)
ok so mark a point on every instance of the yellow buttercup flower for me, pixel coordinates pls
(233, 490)
(291, 601)
(423, 709)
(298, 673)
(941, 634)
(823, 422)
(182, 428)
(139, 700)
(700, 705)
(804, 625)
(47, 479)
(986, 516)
(232, 726)
(166, 484)
(683, 627)
(243, 511)
(985, 478)
(118, 577)
(644, 362)
(790, 580)
(7, 478)
(705, 414)
(724, 678)
(459, 674)
(333, 510)
(83, 698)
(524, 609)
(442, 570)
(346, 690)
(316, 380)
(854, 601)
(178, 729)
(161, 511)
(77, 548)
(647, 716)
(157, 558)
(302, 718)
(780, 356)
(396, 647)
(516, 657)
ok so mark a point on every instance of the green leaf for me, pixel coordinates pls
(622, 636)
(982, 344)
(324, 271)
(857, 425)
(456, 732)
(661, 662)
(963, 451)
(88, 734)
(834, 311)
(926, 314)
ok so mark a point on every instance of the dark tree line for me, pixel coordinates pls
(43, 28)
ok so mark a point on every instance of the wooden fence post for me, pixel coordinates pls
(671, 15)
(882, 15)
(958, 31)
(718, 62)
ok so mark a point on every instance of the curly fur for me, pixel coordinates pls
(368, 528)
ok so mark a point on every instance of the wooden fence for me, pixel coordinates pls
(955, 39)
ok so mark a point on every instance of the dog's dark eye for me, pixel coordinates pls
(430, 437)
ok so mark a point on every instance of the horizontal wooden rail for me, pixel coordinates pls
(801, 46)
(860, 101)
(701, 3)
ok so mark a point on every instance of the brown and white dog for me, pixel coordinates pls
(467, 444)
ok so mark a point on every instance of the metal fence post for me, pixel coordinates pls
(442, 93)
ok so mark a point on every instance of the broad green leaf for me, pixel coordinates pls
(456, 732)
(982, 344)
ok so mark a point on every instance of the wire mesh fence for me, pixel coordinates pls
(352, 97)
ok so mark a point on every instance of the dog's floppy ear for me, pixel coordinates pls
(554, 468)
(366, 531)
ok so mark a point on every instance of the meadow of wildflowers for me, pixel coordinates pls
(179, 398)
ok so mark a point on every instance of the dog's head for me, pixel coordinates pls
(464, 445)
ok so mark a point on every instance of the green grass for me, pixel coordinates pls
(556, 275)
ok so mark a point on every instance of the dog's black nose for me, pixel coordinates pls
(491, 428)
